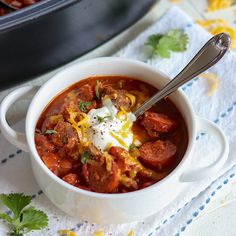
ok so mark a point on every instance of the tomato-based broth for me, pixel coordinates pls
(89, 137)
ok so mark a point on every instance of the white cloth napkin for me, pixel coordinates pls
(15, 169)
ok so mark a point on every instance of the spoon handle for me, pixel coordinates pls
(208, 55)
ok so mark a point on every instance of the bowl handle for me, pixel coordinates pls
(206, 126)
(16, 138)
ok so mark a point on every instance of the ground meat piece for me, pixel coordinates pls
(64, 132)
(118, 97)
(50, 160)
(158, 155)
(69, 105)
(100, 180)
(70, 178)
(85, 93)
(156, 123)
(64, 166)
(94, 151)
(43, 144)
(116, 152)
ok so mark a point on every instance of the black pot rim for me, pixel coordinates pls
(20, 17)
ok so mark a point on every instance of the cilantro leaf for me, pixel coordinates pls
(153, 40)
(84, 157)
(175, 40)
(102, 119)
(97, 89)
(50, 131)
(84, 105)
(32, 219)
(180, 40)
(132, 146)
(16, 202)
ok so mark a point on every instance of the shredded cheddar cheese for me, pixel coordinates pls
(108, 161)
(132, 99)
(214, 5)
(66, 232)
(216, 26)
(98, 233)
(131, 233)
(108, 147)
(175, 1)
(118, 139)
(122, 114)
(80, 126)
(213, 82)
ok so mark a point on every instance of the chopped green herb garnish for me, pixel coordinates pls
(50, 131)
(84, 105)
(162, 44)
(97, 89)
(22, 220)
(132, 146)
(102, 119)
(84, 157)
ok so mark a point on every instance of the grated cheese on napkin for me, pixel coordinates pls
(214, 5)
(216, 26)
(213, 82)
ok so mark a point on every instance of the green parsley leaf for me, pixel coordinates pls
(175, 40)
(84, 105)
(24, 219)
(84, 157)
(32, 219)
(102, 119)
(50, 131)
(97, 89)
(132, 146)
(16, 202)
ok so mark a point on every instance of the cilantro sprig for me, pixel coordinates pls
(97, 89)
(162, 44)
(22, 219)
(102, 119)
(132, 146)
(50, 131)
(83, 106)
(84, 157)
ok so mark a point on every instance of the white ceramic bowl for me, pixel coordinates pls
(109, 208)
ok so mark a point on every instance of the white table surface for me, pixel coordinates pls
(220, 217)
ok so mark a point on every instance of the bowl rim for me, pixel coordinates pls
(177, 169)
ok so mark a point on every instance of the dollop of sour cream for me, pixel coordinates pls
(109, 128)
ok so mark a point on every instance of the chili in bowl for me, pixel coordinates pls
(89, 153)
(89, 137)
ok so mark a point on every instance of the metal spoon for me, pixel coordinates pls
(208, 56)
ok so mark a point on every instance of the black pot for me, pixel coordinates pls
(51, 33)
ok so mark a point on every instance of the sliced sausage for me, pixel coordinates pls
(100, 180)
(158, 155)
(156, 123)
